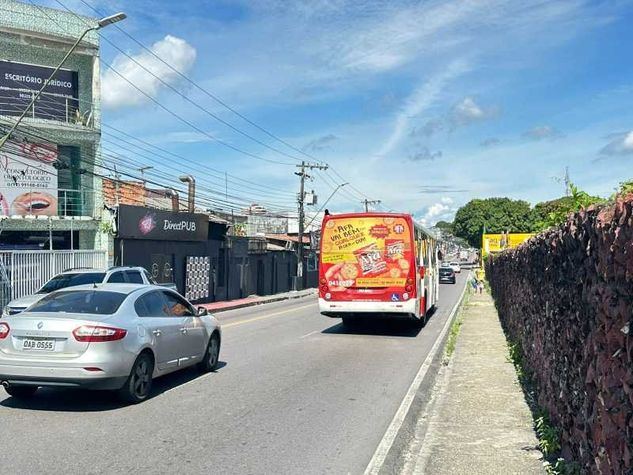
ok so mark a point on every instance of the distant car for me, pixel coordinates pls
(110, 336)
(456, 267)
(447, 275)
(81, 276)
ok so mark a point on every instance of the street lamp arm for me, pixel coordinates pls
(326, 202)
(100, 24)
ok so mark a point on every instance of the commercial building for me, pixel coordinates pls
(49, 184)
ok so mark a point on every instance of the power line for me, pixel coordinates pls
(241, 203)
(212, 96)
(206, 92)
(171, 112)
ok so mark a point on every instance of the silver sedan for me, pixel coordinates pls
(105, 336)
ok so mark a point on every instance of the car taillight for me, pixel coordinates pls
(4, 330)
(90, 333)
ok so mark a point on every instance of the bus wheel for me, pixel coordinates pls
(421, 322)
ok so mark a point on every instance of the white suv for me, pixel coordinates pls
(81, 276)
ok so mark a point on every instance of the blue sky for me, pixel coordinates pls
(423, 105)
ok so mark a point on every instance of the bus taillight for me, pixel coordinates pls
(409, 288)
(323, 281)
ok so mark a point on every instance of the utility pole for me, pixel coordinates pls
(367, 202)
(300, 201)
(116, 187)
(567, 182)
(143, 170)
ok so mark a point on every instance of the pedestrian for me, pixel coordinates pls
(480, 285)
(474, 284)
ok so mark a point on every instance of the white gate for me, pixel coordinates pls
(24, 272)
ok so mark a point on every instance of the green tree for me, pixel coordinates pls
(555, 212)
(626, 187)
(444, 226)
(496, 215)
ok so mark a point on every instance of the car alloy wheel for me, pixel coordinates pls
(141, 379)
(212, 355)
(139, 383)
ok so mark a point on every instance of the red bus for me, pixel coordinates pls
(377, 264)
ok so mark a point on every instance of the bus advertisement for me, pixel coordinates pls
(375, 264)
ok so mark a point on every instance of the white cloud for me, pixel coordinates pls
(422, 98)
(468, 111)
(117, 92)
(441, 210)
(622, 144)
(424, 154)
(542, 132)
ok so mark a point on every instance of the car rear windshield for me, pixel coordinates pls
(446, 271)
(95, 302)
(70, 280)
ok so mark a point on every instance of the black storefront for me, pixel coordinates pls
(196, 253)
(174, 247)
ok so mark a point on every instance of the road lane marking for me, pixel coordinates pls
(311, 333)
(380, 455)
(262, 317)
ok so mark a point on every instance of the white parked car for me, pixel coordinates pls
(82, 276)
(456, 267)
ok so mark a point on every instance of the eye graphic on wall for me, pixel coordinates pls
(155, 270)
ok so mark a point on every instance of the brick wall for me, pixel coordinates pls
(130, 193)
(567, 297)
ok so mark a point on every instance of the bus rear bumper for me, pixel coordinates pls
(337, 309)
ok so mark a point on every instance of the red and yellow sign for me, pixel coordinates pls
(365, 252)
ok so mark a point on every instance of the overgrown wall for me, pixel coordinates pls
(567, 297)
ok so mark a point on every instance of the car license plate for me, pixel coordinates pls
(38, 345)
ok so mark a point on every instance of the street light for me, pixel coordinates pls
(100, 24)
(326, 202)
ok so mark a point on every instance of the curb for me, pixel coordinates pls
(262, 302)
(389, 456)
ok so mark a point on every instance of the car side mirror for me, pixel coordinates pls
(202, 312)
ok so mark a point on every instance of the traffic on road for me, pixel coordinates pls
(290, 386)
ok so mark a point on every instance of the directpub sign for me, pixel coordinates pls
(137, 222)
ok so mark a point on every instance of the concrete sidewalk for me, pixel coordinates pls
(223, 306)
(478, 421)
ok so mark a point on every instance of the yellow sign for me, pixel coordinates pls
(380, 282)
(499, 242)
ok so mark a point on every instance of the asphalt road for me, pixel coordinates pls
(296, 393)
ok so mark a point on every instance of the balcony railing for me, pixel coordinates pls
(36, 202)
(54, 107)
